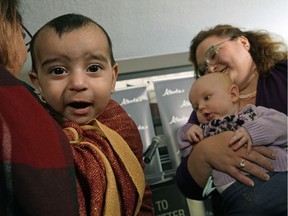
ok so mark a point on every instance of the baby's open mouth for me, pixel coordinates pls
(208, 116)
(79, 105)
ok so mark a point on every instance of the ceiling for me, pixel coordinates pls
(145, 28)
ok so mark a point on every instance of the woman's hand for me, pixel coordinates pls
(214, 152)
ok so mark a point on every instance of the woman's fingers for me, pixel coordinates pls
(262, 157)
(246, 162)
(255, 171)
(236, 173)
(214, 152)
(265, 152)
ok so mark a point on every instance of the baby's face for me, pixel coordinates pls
(75, 75)
(212, 97)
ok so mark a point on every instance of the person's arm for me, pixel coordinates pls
(181, 135)
(270, 127)
(183, 142)
(37, 171)
(195, 134)
(184, 145)
(185, 182)
(182, 132)
(214, 152)
(258, 131)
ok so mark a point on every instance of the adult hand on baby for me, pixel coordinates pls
(214, 152)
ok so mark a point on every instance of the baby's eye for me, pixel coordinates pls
(207, 97)
(57, 71)
(94, 68)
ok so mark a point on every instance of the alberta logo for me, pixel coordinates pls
(169, 92)
(126, 101)
(175, 119)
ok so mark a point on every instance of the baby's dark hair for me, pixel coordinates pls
(67, 23)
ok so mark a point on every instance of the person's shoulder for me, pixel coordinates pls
(7, 79)
(115, 117)
(263, 109)
(277, 74)
(113, 111)
(280, 67)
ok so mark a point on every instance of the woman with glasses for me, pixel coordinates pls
(258, 65)
(36, 165)
(27, 37)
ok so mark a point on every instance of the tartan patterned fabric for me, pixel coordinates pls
(110, 179)
(116, 118)
(37, 174)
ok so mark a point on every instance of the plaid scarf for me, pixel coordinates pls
(110, 179)
(128, 130)
(36, 165)
(116, 118)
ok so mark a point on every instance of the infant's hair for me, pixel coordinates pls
(217, 78)
(67, 23)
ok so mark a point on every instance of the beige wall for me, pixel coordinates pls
(141, 28)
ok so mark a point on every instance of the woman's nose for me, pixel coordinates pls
(212, 68)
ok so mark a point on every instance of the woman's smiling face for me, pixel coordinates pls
(233, 58)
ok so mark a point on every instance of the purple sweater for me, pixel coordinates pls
(259, 128)
(271, 93)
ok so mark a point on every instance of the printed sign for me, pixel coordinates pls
(168, 200)
(175, 109)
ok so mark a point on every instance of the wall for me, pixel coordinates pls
(141, 28)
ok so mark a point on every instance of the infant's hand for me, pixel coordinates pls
(241, 137)
(194, 134)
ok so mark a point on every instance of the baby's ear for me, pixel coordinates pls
(34, 79)
(114, 77)
(234, 91)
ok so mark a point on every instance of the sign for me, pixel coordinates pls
(175, 109)
(168, 200)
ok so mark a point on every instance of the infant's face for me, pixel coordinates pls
(213, 97)
(75, 75)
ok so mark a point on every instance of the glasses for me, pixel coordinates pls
(212, 56)
(27, 37)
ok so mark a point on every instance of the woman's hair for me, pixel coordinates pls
(67, 23)
(264, 50)
(10, 19)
